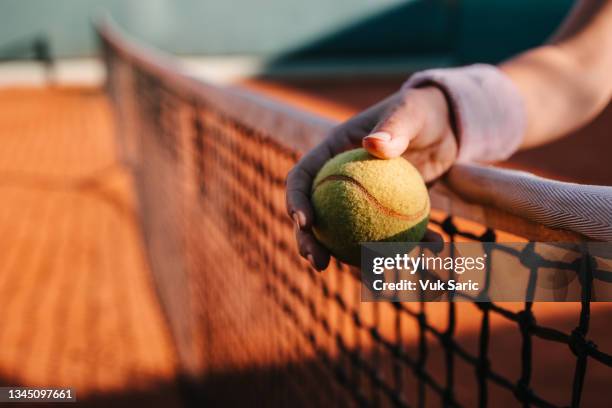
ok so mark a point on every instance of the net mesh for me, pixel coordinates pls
(253, 323)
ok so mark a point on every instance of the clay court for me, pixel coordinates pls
(80, 307)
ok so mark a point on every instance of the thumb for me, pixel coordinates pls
(391, 137)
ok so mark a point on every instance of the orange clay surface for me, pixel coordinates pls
(77, 304)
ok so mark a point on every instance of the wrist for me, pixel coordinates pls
(485, 109)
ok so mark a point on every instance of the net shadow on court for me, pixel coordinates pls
(253, 323)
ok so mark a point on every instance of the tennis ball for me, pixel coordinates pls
(360, 198)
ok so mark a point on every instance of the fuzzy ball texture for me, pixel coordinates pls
(359, 198)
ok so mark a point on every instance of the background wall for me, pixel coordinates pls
(467, 29)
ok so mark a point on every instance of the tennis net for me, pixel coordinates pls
(253, 323)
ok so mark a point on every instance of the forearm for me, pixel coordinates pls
(566, 83)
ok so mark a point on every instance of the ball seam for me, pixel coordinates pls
(388, 211)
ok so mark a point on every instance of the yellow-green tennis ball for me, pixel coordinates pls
(359, 198)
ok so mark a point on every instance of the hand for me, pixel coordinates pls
(414, 124)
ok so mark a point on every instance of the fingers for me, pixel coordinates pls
(346, 136)
(298, 197)
(299, 179)
(433, 160)
(391, 137)
(312, 250)
(299, 182)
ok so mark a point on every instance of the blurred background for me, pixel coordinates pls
(311, 54)
(460, 31)
(77, 301)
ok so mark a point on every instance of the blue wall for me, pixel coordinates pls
(470, 29)
(492, 30)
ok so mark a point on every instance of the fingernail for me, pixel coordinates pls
(297, 219)
(383, 136)
(311, 260)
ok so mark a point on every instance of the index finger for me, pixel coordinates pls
(299, 183)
